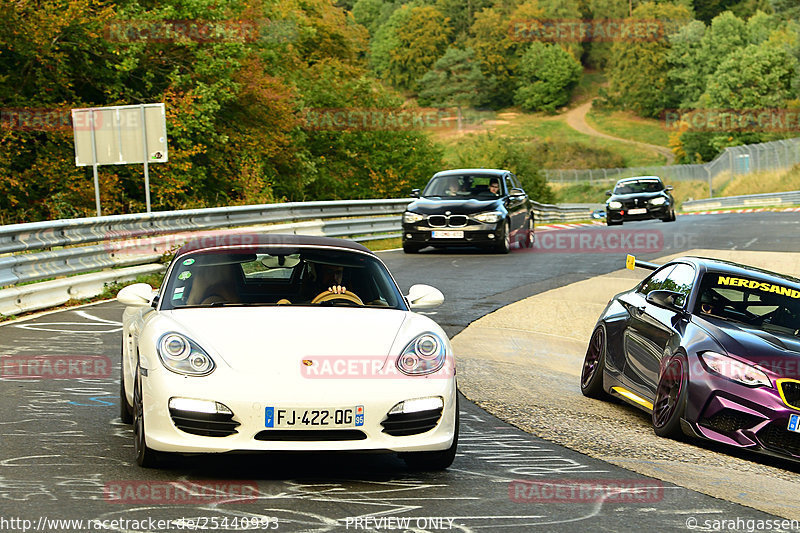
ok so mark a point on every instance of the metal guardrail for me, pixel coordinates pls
(40, 250)
(744, 201)
(736, 160)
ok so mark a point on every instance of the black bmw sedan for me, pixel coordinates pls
(469, 207)
(639, 198)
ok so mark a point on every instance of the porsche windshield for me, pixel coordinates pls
(465, 186)
(290, 277)
(763, 304)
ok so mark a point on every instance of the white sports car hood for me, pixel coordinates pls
(258, 339)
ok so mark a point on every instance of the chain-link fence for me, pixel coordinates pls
(738, 160)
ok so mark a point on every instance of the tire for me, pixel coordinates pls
(593, 364)
(527, 239)
(125, 409)
(146, 457)
(670, 401)
(610, 223)
(433, 461)
(411, 248)
(503, 246)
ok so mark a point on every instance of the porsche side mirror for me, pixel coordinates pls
(136, 295)
(414, 193)
(665, 299)
(668, 188)
(424, 297)
(608, 193)
(516, 193)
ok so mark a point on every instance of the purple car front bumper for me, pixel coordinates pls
(729, 412)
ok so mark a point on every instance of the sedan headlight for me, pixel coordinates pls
(423, 355)
(490, 217)
(615, 205)
(183, 356)
(409, 217)
(658, 201)
(735, 370)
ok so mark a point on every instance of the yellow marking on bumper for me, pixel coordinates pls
(632, 396)
(779, 384)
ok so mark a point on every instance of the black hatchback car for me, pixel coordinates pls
(469, 207)
(639, 198)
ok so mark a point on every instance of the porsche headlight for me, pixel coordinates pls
(409, 217)
(735, 370)
(183, 356)
(490, 217)
(658, 201)
(615, 205)
(423, 355)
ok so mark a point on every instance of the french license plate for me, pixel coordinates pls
(292, 418)
(448, 234)
(794, 423)
(637, 211)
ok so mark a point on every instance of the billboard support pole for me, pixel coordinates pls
(94, 165)
(146, 169)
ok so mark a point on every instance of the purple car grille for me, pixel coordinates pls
(729, 420)
(776, 437)
(791, 392)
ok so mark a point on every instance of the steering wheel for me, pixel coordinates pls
(346, 296)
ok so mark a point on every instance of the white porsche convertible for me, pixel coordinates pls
(285, 343)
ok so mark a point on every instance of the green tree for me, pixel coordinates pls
(461, 14)
(547, 74)
(409, 44)
(454, 81)
(493, 151)
(786, 9)
(496, 54)
(599, 53)
(686, 81)
(638, 71)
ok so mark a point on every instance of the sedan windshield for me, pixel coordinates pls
(758, 303)
(464, 186)
(633, 187)
(280, 276)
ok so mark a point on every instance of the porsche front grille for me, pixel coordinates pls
(402, 425)
(790, 391)
(205, 424)
(307, 435)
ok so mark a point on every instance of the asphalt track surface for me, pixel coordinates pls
(63, 449)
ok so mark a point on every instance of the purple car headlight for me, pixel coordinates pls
(735, 370)
(423, 355)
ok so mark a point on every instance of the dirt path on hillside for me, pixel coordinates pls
(576, 119)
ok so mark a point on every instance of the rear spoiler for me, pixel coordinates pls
(631, 262)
